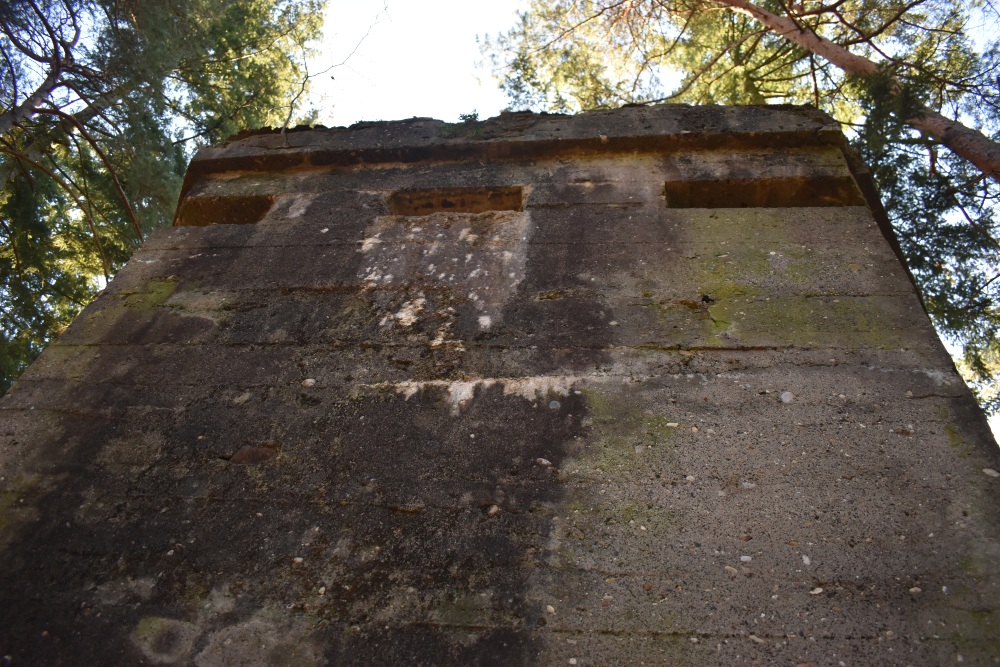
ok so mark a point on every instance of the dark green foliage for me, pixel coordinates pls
(944, 214)
(101, 104)
(36, 266)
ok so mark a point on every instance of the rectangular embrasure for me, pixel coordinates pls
(229, 210)
(456, 200)
(764, 193)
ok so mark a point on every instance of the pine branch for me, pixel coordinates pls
(961, 140)
(112, 172)
(68, 190)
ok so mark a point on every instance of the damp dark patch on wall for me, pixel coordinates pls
(405, 528)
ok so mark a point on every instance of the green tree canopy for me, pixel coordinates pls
(915, 83)
(101, 103)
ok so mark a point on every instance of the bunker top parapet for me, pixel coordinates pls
(526, 135)
(513, 135)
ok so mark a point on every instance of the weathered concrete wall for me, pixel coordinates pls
(636, 387)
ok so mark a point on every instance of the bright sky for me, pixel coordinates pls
(418, 59)
(396, 59)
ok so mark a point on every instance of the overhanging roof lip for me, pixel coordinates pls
(513, 135)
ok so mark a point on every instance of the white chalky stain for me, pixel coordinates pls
(461, 392)
(299, 205)
(939, 377)
(407, 315)
(370, 242)
(505, 249)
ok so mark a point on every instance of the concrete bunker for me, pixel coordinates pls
(475, 395)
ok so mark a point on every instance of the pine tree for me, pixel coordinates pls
(101, 104)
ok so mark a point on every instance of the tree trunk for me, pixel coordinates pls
(38, 145)
(24, 110)
(965, 142)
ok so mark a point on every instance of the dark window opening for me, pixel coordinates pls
(240, 210)
(456, 200)
(764, 193)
